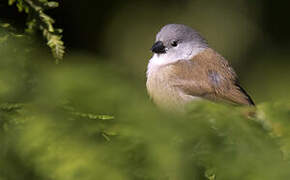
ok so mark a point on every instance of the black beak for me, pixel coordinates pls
(158, 48)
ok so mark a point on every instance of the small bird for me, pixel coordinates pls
(184, 69)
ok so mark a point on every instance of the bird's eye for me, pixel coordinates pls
(174, 43)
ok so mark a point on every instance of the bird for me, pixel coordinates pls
(185, 69)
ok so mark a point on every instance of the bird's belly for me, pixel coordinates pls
(166, 95)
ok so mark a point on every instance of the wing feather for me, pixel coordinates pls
(210, 76)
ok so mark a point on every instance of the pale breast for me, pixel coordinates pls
(162, 88)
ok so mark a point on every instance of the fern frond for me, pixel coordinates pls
(40, 20)
(55, 43)
(8, 107)
(93, 116)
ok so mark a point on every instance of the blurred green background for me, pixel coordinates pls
(89, 117)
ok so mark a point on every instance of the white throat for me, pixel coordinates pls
(159, 60)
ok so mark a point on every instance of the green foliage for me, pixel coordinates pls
(50, 127)
(37, 19)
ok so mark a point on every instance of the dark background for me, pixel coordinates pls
(252, 35)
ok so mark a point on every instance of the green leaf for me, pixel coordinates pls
(11, 2)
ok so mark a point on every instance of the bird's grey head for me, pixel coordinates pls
(177, 42)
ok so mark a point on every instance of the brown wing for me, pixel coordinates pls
(210, 76)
